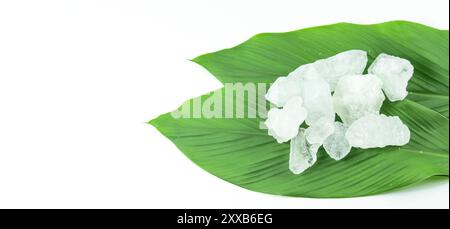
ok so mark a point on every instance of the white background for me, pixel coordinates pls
(79, 79)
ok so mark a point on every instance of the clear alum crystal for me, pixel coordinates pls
(352, 62)
(317, 100)
(330, 70)
(317, 133)
(283, 124)
(303, 154)
(336, 145)
(374, 130)
(395, 73)
(283, 89)
(357, 96)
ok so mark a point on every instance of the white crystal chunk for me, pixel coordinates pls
(303, 154)
(336, 145)
(317, 100)
(317, 133)
(395, 73)
(373, 131)
(283, 89)
(357, 96)
(330, 69)
(305, 71)
(352, 62)
(284, 123)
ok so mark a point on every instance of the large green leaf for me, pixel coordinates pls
(238, 151)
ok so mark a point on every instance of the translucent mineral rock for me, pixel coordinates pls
(283, 89)
(352, 62)
(317, 100)
(283, 124)
(336, 145)
(395, 73)
(356, 96)
(306, 70)
(317, 133)
(377, 131)
(303, 154)
(330, 69)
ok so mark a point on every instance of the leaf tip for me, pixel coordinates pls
(153, 122)
(197, 60)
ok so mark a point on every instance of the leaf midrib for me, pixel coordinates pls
(430, 95)
(420, 152)
(222, 130)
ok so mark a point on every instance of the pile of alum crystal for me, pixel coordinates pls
(314, 92)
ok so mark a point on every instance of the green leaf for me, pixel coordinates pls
(239, 151)
(435, 102)
(267, 56)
